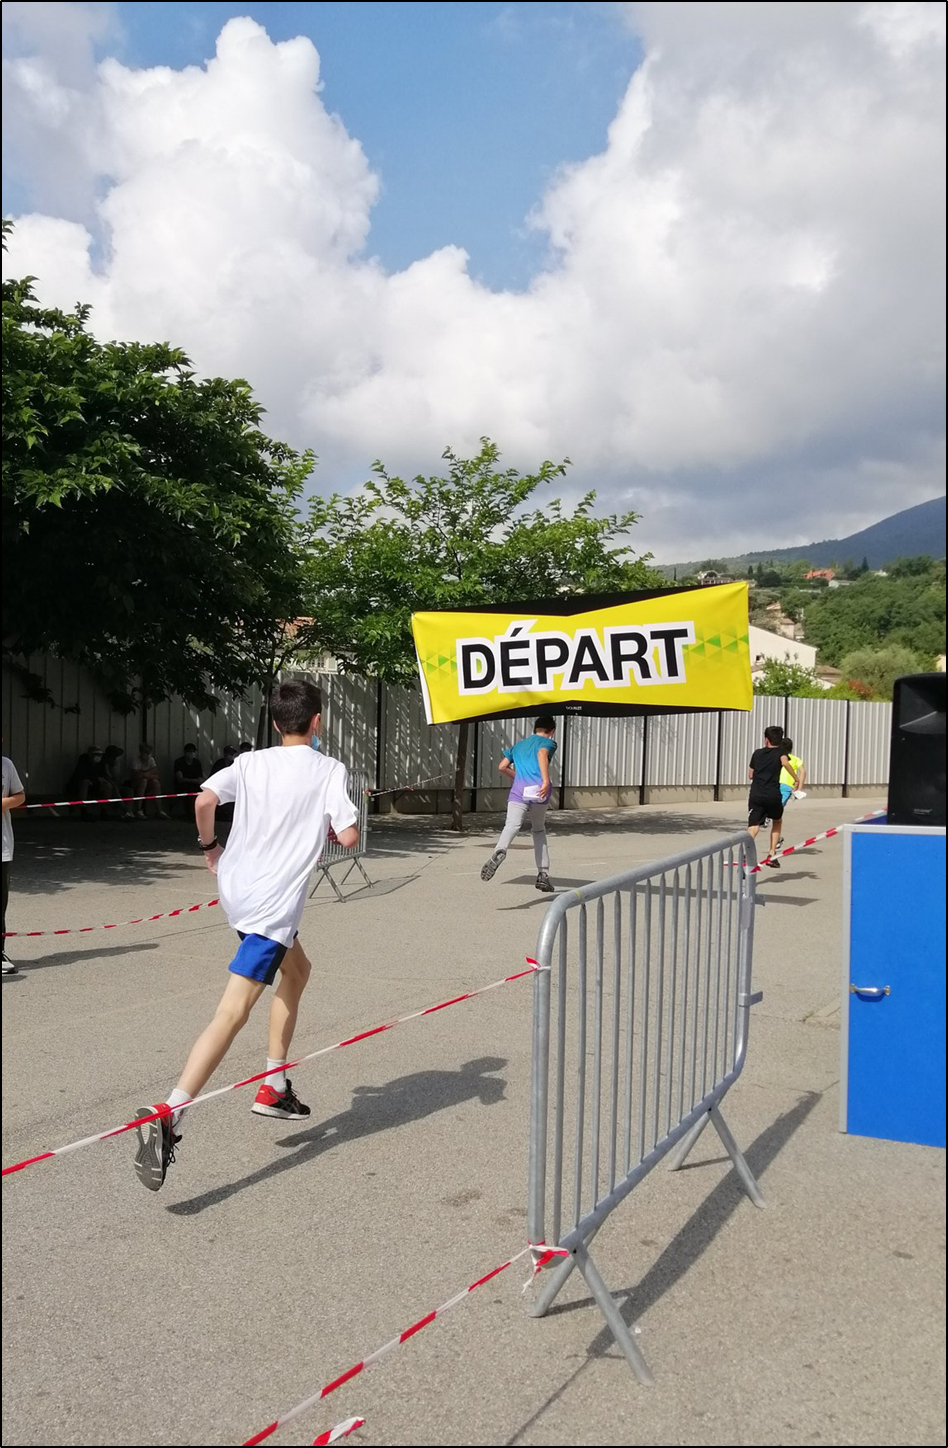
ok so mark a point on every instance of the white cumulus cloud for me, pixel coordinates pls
(738, 329)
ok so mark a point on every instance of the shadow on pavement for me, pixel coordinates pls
(71, 957)
(685, 1248)
(59, 854)
(374, 1108)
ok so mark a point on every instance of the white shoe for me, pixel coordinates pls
(8, 967)
(162, 815)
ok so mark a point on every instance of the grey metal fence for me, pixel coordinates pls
(334, 853)
(640, 1028)
(381, 730)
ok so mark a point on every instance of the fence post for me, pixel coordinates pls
(475, 764)
(564, 760)
(719, 761)
(846, 743)
(642, 786)
(786, 716)
(379, 715)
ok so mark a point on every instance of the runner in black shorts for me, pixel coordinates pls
(764, 801)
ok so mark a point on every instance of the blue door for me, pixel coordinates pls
(895, 1072)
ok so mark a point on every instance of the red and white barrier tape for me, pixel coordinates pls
(112, 799)
(408, 788)
(341, 1430)
(163, 1110)
(541, 1255)
(118, 924)
(815, 839)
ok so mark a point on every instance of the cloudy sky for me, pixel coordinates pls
(697, 248)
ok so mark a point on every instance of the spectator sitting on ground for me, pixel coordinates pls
(226, 759)
(226, 811)
(117, 777)
(89, 779)
(188, 777)
(145, 781)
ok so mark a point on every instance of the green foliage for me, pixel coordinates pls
(465, 538)
(870, 673)
(449, 541)
(148, 523)
(907, 608)
(786, 679)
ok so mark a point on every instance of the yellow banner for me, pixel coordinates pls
(686, 649)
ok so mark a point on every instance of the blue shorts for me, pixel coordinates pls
(258, 958)
(786, 791)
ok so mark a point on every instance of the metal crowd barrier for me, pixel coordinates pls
(334, 854)
(640, 1029)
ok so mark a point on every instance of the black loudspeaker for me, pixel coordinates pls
(917, 757)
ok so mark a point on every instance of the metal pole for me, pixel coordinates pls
(475, 765)
(379, 716)
(719, 762)
(564, 761)
(642, 786)
(846, 744)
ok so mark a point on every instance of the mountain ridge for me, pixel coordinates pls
(920, 529)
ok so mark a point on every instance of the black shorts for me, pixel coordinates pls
(765, 807)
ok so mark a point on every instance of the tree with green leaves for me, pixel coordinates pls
(788, 680)
(871, 673)
(473, 535)
(149, 525)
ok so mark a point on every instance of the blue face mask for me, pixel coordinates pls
(314, 742)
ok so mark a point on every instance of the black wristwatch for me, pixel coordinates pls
(212, 846)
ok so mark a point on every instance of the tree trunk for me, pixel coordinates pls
(457, 803)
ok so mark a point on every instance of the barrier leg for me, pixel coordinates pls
(363, 874)
(680, 1154)
(613, 1316)
(324, 873)
(748, 1180)
(556, 1280)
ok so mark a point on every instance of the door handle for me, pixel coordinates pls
(875, 991)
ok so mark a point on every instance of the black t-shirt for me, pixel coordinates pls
(766, 766)
(189, 767)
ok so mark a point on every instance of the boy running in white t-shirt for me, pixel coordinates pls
(528, 765)
(284, 803)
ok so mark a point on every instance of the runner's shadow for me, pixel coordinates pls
(374, 1108)
(71, 957)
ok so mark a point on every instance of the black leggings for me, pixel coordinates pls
(6, 895)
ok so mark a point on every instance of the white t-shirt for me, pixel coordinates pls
(284, 801)
(12, 784)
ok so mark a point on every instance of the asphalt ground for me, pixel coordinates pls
(278, 1254)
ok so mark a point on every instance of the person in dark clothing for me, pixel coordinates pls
(226, 811)
(764, 801)
(89, 780)
(226, 759)
(188, 778)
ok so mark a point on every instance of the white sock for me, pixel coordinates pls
(278, 1079)
(177, 1098)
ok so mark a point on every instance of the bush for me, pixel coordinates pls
(786, 679)
(872, 672)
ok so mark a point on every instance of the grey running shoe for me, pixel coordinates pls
(156, 1144)
(493, 864)
(544, 883)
